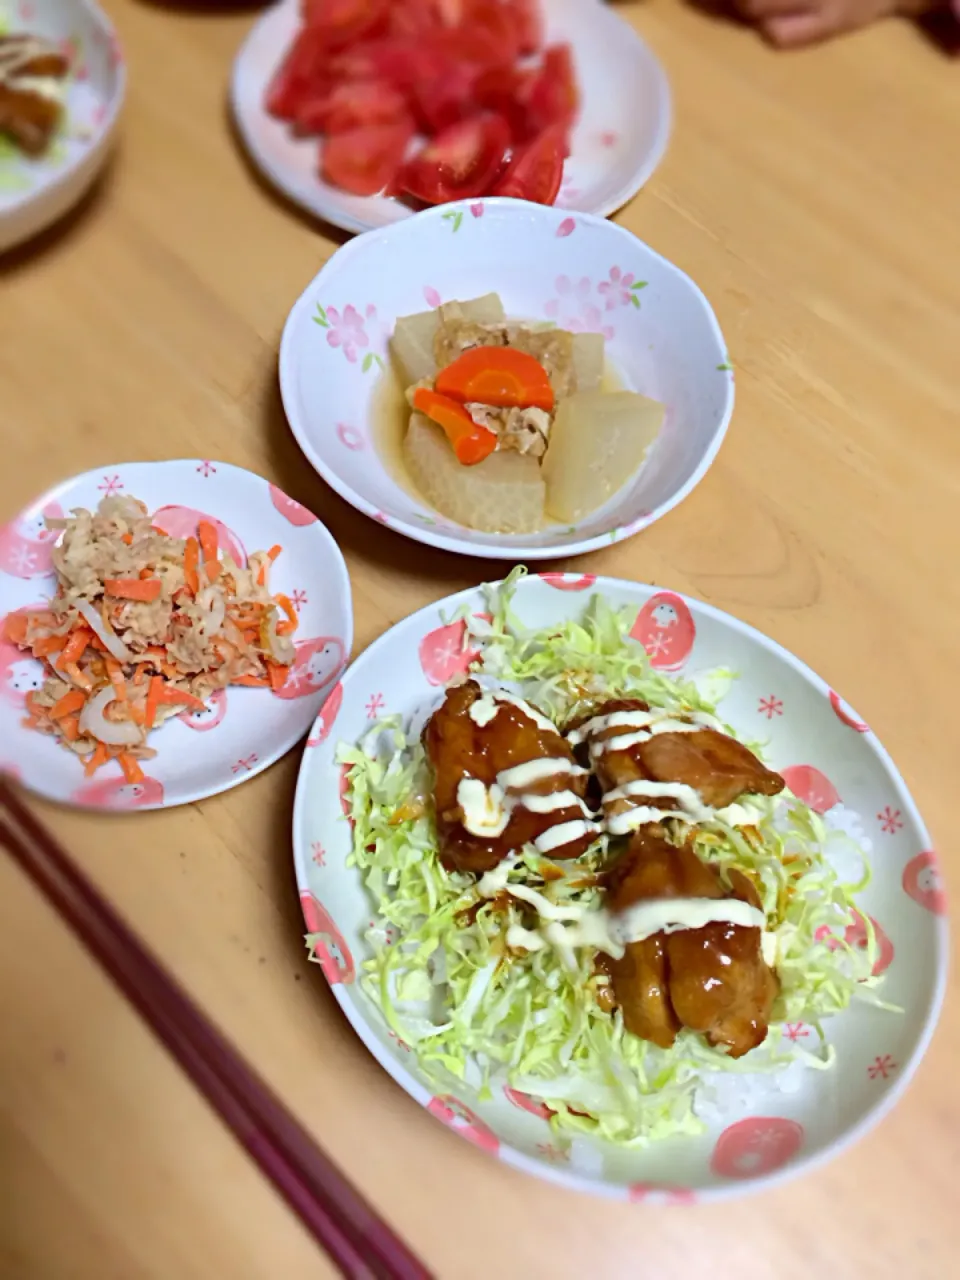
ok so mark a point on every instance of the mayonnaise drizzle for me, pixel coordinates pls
(522, 775)
(566, 833)
(486, 707)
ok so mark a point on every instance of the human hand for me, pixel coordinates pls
(791, 23)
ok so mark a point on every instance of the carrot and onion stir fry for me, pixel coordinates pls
(145, 626)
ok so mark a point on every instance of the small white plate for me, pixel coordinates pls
(243, 731)
(619, 140)
(582, 272)
(763, 1132)
(35, 193)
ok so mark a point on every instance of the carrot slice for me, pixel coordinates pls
(278, 675)
(70, 728)
(191, 559)
(74, 649)
(471, 442)
(68, 704)
(131, 769)
(498, 376)
(210, 546)
(145, 590)
(115, 676)
(154, 689)
(48, 644)
(100, 757)
(15, 628)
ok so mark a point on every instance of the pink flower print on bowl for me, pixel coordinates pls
(211, 715)
(26, 544)
(431, 296)
(290, 509)
(181, 522)
(347, 331)
(329, 950)
(116, 793)
(457, 1115)
(666, 629)
(755, 1147)
(317, 662)
(811, 786)
(573, 309)
(620, 289)
(922, 883)
(328, 714)
(443, 653)
(351, 437)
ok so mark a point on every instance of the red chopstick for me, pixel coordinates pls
(356, 1239)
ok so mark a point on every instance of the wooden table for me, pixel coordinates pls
(815, 199)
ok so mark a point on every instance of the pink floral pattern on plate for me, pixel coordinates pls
(620, 289)
(524, 1102)
(844, 712)
(26, 544)
(290, 509)
(457, 1115)
(755, 1147)
(922, 882)
(443, 653)
(181, 522)
(347, 332)
(211, 715)
(117, 793)
(574, 308)
(811, 786)
(20, 673)
(666, 629)
(330, 949)
(317, 662)
(327, 716)
(569, 581)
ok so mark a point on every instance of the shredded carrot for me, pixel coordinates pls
(68, 704)
(138, 674)
(210, 546)
(128, 539)
(278, 675)
(286, 629)
(115, 675)
(70, 728)
(153, 700)
(100, 757)
(180, 697)
(48, 644)
(75, 648)
(191, 558)
(15, 628)
(274, 552)
(131, 769)
(253, 682)
(143, 589)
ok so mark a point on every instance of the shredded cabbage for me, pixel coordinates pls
(474, 1011)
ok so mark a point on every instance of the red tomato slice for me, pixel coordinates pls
(554, 97)
(300, 74)
(505, 90)
(527, 21)
(537, 170)
(441, 99)
(459, 163)
(365, 161)
(413, 18)
(399, 62)
(484, 37)
(352, 105)
(343, 22)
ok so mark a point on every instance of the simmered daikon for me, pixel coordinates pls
(412, 344)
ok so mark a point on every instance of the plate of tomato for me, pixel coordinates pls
(365, 111)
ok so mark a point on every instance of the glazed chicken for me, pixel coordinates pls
(714, 764)
(713, 980)
(500, 735)
(31, 72)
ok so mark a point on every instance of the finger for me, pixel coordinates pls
(791, 30)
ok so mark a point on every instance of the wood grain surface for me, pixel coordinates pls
(816, 200)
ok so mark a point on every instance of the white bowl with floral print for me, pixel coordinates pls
(762, 1129)
(36, 192)
(618, 142)
(585, 274)
(242, 731)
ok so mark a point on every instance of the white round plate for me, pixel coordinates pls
(619, 140)
(582, 272)
(35, 193)
(764, 1134)
(243, 731)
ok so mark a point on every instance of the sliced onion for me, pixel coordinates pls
(109, 638)
(214, 609)
(114, 734)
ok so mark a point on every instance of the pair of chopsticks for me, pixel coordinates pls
(356, 1239)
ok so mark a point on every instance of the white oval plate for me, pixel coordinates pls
(619, 140)
(243, 731)
(582, 272)
(768, 1134)
(34, 193)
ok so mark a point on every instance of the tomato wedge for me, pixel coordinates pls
(461, 162)
(537, 170)
(499, 376)
(300, 74)
(527, 21)
(441, 99)
(352, 105)
(504, 90)
(340, 23)
(554, 97)
(366, 160)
